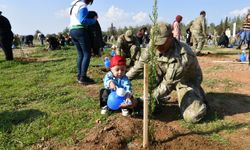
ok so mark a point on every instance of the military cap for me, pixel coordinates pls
(164, 31)
(128, 35)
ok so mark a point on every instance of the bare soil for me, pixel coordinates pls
(23, 55)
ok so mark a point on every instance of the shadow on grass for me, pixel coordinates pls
(205, 133)
(219, 54)
(10, 119)
(220, 105)
(168, 112)
(234, 53)
(1, 61)
(227, 104)
(26, 60)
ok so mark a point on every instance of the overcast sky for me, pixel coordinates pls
(51, 16)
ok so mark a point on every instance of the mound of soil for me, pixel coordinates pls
(126, 133)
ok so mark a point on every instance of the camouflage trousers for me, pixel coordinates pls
(198, 42)
(191, 100)
(135, 53)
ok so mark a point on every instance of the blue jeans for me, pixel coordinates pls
(82, 41)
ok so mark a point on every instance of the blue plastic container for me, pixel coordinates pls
(114, 101)
(243, 56)
(107, 62)
(113, 53)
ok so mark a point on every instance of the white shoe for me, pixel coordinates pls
(104, 110)
(125, 112)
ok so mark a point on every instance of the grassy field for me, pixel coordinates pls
(41, 101)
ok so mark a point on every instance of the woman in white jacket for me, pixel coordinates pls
(79, 32)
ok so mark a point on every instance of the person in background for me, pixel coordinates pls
(245, 32)
(140, 35)
(41, 38)
(215, 38)
(53, 42)
(80, 35)
(240, 37)
(146, 38)
(95, 32)
(199, 32)
(16, 41)
(223, 40)
(129, 47)
(246, 28)
(188, 37)
(177, 69)
(6, 37)
(176, 27)
(68, 40)
(61, 40)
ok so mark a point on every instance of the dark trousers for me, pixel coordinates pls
(6, 44)
(103, 97)
(249, 57)
(82, 42)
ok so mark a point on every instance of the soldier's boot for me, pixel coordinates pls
(195, 112)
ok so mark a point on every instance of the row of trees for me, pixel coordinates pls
(220, 28)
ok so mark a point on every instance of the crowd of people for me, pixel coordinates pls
(177, 66)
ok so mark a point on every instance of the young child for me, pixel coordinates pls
(114, 79)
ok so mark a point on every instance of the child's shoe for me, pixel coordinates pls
(125, 112)
(104, 110)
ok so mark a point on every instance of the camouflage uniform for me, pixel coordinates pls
(129, 47)
(177, 69)
(199, 32)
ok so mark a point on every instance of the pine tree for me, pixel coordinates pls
(152, 55)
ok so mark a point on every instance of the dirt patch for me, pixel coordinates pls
(125, 133)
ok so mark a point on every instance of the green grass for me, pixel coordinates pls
(213, 125)
(40, 101)
(226, 84)
(218, 138)
(222, 51)
(214, 68)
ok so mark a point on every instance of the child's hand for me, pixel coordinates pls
(129, 103)
(112, 85)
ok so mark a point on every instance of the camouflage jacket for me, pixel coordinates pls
(123, 46)
(199, 25)
(177, 67)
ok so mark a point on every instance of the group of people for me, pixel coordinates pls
(195, 34)
(177, 66)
